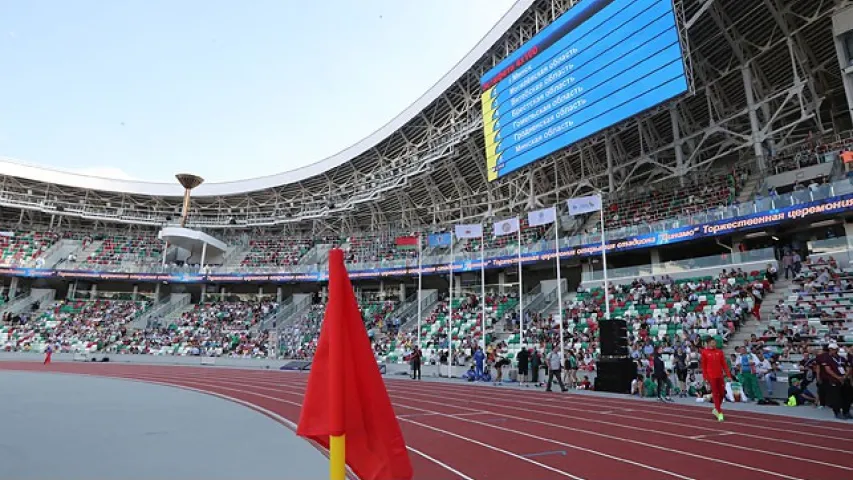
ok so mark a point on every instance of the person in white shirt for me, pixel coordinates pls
(767, 372)
(554, 367)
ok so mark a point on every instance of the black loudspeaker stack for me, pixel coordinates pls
(615, 369)
(615, 375)
(614, 338)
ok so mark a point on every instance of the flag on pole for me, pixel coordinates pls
(546, 216)
(581, 205)
(346, 407)
(506, 227)
(408, 242)
(473, 230)
(439, 240)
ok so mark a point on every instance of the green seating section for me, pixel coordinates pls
(77, 325)
(116, 249)
(22, 248)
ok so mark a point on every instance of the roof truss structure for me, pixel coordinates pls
(765, 76)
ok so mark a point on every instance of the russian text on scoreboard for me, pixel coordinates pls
(598, 64)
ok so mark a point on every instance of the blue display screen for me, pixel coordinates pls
(598, 64)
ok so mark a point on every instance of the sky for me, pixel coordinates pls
(144, 89)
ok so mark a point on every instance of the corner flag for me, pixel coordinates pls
(346, 407)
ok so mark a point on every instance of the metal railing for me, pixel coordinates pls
(289, 313)
(536, 303)
(760, 204)
(733, 259)
(551, 299)
(23, 302)
(428, 301)
(176, 302)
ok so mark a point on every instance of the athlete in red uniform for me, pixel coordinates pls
(714, 367)
(47, 353)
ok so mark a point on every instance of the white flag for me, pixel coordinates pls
(474, 230)
(546, 216)
(581, 205)
(505, 227)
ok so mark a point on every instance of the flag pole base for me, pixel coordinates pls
(337, 457)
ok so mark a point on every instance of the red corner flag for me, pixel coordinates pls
(346, 394)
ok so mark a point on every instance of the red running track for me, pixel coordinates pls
(480, 432)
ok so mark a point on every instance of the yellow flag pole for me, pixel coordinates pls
(337, 457)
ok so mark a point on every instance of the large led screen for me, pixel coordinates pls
(598, 64)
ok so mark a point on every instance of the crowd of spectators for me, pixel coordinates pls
(671, 200)
(674, 315)
(299, 339)
(117, 249)
(376, 247)
(24, 249)
(378, 311)
(812, 151)
(72, 325)
(224, 328)
(467, 329)
(276, 251)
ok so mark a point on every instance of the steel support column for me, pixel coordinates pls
(676, 144)
(754, 125)
(608, 149)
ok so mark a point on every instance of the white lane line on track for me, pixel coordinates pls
(587, 401)
(782, 455)
(618, 404)
(492, 447)
(563, 444)
(478, 412)
(445, 398)
(441, 464)
(563, 427)
(414, 415)
(576, 399)
(235, 382)
(715, 434)
(464, 397)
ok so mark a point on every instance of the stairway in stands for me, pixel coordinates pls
(234, 258)
(748, 191)
(176, 314)
(90, 249)
(781, 290)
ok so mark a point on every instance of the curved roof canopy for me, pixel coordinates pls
(237, 187)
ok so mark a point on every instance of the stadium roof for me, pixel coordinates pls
(765, 72)
(17, 169)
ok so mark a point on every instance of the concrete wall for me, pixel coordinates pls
(802, 175)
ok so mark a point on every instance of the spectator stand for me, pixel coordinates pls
(24, 248)
(278, 251)
(75, 325)
(139, 249)
(212, 328)
(670, 199)
(817, 309)
(466, 331)
(672, 304)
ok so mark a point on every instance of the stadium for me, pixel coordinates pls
(707, 195)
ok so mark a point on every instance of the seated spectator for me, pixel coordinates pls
(801, 395)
